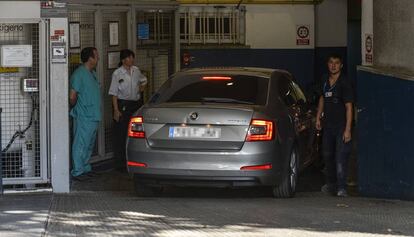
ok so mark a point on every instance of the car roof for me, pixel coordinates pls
(264, 72)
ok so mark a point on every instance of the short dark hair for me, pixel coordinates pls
(87, 53)
(335, 55)
(125, 53)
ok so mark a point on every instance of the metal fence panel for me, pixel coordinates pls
(20, 143)
(154, 55)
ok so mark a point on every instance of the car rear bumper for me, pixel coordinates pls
(204, 181)
(207, 168)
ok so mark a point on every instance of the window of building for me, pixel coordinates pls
(160, 27)
(212, 25)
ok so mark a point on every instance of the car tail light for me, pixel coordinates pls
(219, 78)
(136, 164)
(260, 130)
(257, 167)
(136, 127)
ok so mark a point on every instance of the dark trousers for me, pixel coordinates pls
(335, 153)
(120, 129)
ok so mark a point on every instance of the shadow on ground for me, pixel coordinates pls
(107, 206)
(109, 179)
(23, 214)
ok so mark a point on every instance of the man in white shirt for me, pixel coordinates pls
(126, 89)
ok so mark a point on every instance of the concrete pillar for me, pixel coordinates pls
(393, 29)
(177, 49)
(331, 24)
(59, 118)
(367, 30)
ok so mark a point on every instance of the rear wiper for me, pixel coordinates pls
(225, 100)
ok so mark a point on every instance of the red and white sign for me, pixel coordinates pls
(302, 35)
(369, 46)
(59, 32)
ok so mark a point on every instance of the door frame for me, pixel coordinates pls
(130, 11)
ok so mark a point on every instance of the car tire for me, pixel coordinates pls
(143, 190)
(287, 188)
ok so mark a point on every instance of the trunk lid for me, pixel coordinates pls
(200, 127)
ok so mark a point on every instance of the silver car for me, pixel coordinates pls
(222, 127)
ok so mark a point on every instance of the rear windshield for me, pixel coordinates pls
(237, 89)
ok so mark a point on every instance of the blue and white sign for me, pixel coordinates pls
(143, 31)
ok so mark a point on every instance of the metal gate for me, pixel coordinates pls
(154, 53)
(22, 97)
(94, 29)
(111, 29)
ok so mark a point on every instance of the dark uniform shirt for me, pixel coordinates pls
(335, 98)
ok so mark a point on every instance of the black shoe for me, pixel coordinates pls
(92, 174)
(327, 189)
(80, 178)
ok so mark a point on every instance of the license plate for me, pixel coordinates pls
(194, 132)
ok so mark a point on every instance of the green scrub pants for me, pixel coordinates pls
(84, 136)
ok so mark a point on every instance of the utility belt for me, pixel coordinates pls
(129, 106)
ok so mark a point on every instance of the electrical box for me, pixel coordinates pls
(30, 85)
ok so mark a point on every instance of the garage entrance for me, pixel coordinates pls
(149, 31)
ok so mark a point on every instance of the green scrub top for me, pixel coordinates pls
(88, 104)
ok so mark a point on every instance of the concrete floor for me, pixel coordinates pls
(24, 214)
(309, 214)
(106, 206)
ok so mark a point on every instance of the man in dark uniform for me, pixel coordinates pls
(335, 117)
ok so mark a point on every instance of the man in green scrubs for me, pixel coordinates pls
(85, 97)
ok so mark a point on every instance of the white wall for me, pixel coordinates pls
(393, 35)
(331, 23)
(19, 9)
(274, 26)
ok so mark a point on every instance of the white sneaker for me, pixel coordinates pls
(342, 193)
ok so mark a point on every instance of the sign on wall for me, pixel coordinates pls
(369, 46)
(74, 35)
(16, 56)
(74, 58)
(302, 35)
(11, 28)
(113, 33)
(58, 52)
(143, 31)
(113, 60)
(9, 69)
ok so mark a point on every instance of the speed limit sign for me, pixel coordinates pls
(302, 35)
